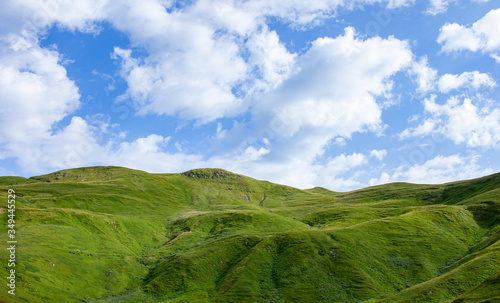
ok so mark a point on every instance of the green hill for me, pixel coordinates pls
(111, 234)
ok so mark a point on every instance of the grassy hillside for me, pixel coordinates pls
(110, 234)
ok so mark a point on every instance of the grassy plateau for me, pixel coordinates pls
(112, 234)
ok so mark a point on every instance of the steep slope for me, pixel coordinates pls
(110, 234)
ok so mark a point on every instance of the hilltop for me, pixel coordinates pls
(112, 234)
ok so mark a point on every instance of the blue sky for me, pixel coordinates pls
(332, 93)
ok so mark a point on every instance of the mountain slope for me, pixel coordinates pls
(110, 234)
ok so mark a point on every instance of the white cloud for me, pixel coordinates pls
(438, 6)
(455, 37)
(203, 60)
(331, 175)
(425, 75)
(473, 79)
(251, 154)
(383, 179)
(302, 14)
(496, 57)
(35, 93)
(74, 146)
(241, 17)
(12, 18)
(195, 53)
(190, 70)
(378, 154)
(481, 36)
(71, 14)
(197, 67)
(340, 141)
(487, 28)
(270, 56)
(334, 87)
(207, 60)
(194, 65)
(148, 154)
(342, 163)
(427, 127)
(230, 15)
(331, 93)
(440, 169)
(399, 3)
(299, 172)
(461, 121)
(77, 145)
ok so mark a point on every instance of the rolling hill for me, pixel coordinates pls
(111, 234)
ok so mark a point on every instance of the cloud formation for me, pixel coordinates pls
(436, 170)
(480, 36)
(439, 6)
(474, 122)
(474, 80)
(35, 94)
(208, 61)
(332, 92)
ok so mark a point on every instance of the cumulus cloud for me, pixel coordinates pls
(70, 14)
(203, 60)
(270, 56)
(438, 6)
(340, 78)
(195, 65)
(330, 94)
(399, 3)
(466, 123)
(440, 169)
(342, 163)
(335, 84)
(378, 154)
(424, 75)
(210, 59)
(474, 123)
(335, 173)
(425, 128)
(189, 71)
(331, 175)
(473, 80)
(302, 14)
(480, 36)
(73, 146)
(35, 93)
(77, 145)
(455, 37)
(149, 154)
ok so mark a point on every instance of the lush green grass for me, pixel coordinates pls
(110, 234)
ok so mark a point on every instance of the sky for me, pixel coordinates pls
(333, 93)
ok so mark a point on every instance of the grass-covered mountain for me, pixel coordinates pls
(110, 234)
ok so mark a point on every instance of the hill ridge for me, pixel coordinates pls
(113, 234)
